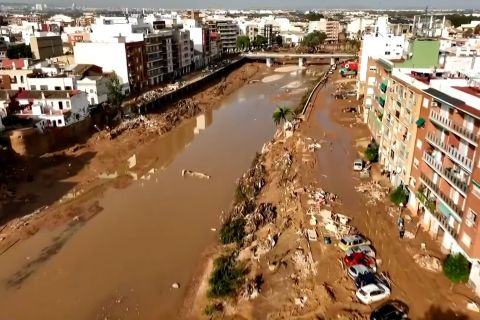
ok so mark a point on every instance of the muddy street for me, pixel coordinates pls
(151, 233)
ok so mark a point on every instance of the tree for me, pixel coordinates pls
(115, 92)
(260, 41)
(314, 16)
(371, 152)
(314, 39)
(399, 196)
(468, 33)
(282, 114)
(17, 51)
(243, 42)
(456, 268)
(279, 40)
(227, 276)
(477, 29)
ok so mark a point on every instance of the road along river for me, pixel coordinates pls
(121, 263)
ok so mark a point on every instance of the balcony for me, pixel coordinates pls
(440, 195)
(445, 173)
(452, 152)
(468, 135)
(381, 100)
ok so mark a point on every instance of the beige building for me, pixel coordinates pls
(46, 47)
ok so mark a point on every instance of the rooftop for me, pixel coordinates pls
(47, 94)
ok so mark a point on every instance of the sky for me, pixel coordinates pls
(270, 4)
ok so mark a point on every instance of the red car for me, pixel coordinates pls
(359, 258)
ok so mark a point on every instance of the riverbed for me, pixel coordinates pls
(121, 264)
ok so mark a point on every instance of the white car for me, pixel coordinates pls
(358, 269)
(372, 293)
(367, 250)
(358, 165)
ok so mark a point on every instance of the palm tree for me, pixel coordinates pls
(282, 114)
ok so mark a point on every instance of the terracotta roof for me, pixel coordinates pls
(8, 63)
(48, 94)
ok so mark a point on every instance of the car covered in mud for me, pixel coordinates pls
(391, 310)
(357, 270)
(359, 258)
(358, 165)
(372, 293)
(363, 249)
(351, 241)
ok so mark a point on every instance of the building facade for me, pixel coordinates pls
(159, 53)
(44, 47)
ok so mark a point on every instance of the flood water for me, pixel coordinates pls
(121, 264)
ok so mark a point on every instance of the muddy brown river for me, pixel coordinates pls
(121, 264)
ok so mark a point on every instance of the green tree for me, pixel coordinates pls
(115, 92)
(458, 19)
(260, 41)
(399, 196)
(456, 268)
(17, 51)
(233, 230)
(371, 152)
(314, 16)
(279, 40)
(282, 114)
(227, 276)
(314, 39)
(243, 42)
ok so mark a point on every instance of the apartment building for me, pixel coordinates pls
(228, 32)
(445, 174)
(333, 28)
(399, 126)
(267, 32)
(252, 32)
(44, 47)
(182, 52)
(159, 53)
(136, 65)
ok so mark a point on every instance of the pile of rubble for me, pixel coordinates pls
(183, 109)
(428, 262)
(139, 122)
(374, 190)
(263, 214)
(153, 95)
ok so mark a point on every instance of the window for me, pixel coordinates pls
(471, 218)
(60, 105)
(59, 121)
(476, 190)
(58, 88)
(415, 163)
(387, 53)
(33, 87)
(454, 195)
(419, 144)
(68, 88)
(426, 102)
(466, 240)
(67, 104)
(21, 79)
(91, 90)
(43, 87)
(413, 182)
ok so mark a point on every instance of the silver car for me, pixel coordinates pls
(367, 250)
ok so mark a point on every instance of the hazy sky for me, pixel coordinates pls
(247, 4)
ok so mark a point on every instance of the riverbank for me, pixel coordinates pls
(305, 279)
(65, 185)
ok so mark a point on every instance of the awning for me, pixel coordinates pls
(420, 122)
(477, 184)
(383, 85)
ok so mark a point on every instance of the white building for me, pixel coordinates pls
(111, 56)
(53, 108)
(357, 26)
(320, 25)
(380, 44)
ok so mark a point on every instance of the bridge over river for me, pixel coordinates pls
(302, 57)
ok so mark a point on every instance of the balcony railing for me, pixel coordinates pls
(444, 222)
(445, 173)
(449, 124)
(436, 190)
(452, 152)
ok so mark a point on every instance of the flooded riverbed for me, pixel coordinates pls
(121, 264)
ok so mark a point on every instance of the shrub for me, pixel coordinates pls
(227, 276)
(399, 196)
(213, 309)
(371, 152)
(233, 230)
(456, 268)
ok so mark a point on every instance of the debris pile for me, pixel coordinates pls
(263, 214)
(374, 191)
(428, 262)
(142, 122)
